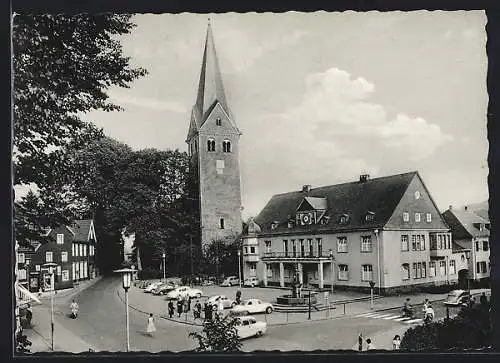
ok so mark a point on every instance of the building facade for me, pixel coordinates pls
(471, 232)
(213, 144)
(387, 230)
(70, 250)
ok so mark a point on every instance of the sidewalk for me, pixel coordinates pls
(64, 340)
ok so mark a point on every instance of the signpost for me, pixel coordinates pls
(326, 296)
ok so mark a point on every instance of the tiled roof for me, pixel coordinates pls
(379, 195)
(455, 247)
(462, 223)
(81, 229)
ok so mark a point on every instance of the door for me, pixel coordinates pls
(462, 278)
(305, 277)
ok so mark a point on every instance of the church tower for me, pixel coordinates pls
(213, 142)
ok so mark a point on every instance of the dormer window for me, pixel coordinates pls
(369, 216)
(290, 224)
(226, 146)
(210, 145)
(218, 121)
(344, 219)
(274, 225)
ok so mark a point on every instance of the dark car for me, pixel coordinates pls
(457, 298)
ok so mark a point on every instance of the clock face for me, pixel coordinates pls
(306, 218)
(417, 195)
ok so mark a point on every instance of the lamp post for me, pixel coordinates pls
(27, 264)
(372, 284)
(467, 256)
(51, 267)
(239, 267)
(164, 276)
(378, 261)
(126, 281)
(332, 273)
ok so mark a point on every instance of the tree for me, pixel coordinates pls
(218, 335)
(221, 256)
(471, 329)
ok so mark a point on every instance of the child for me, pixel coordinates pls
(170, 309)
(150, 329)
(396, 342)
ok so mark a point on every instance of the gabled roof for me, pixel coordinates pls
(462, 223)
(314, 203)
(82, 229)
(380, 196)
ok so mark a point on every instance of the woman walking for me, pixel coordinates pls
(150, 329)
(396, 342)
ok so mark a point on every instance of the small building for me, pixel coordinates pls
(72, 251)
(387, 230)
(471, 233)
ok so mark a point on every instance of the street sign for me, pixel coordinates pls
(326, 294)
(372, 284)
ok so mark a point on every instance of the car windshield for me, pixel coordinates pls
(453, 294)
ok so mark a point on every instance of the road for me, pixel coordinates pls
(101, 323)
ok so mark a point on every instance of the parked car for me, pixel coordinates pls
(253, 306)
(152, 286)
(251, 281)
(182, 291)
(163, 289)
(207, 283)
(226, 302)
(230, 281)
(457, 298)
(249, 327)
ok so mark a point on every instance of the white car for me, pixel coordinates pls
(152, 286)
(182, 291)
(230, 281)
(253, 306)
(251, 281)
(249, 327)
(226, 302)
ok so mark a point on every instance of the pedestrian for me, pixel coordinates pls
(426, 304)
(170, 309)
(188, 303)
(29, 315)
(238, 297)
(360, 342)
(197, 309)
(369, 344)
(150, 328)
(396, 342)
(179, 307)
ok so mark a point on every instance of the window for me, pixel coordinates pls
(477, 246)
(221, 223)
(369, 217)
(414, 270)
(48, 256)
(302, 250)
(311, 247)
(294, 248)
(37, 267)
(218, 121)
(422, 242)
(210, 145)
(453, 269)
(424, 270)
(485, 246)
(73, 250)
(21, 274)
(246, 250)
(219, 166)
(481, 267)
(405, 271)
(65, 275)
(268, 246)
(442, 268)
(366, 244)
(413, 243)
(91, 250)
(226, 146)
(344, 219)
(432, 269)
(417, 217)
(366, 273)
(406, 217)
(342, 244)
(21, 258)
(417, 195)
(343, 272)
(253, 270)
(285, 247)
(60, 238)
(64, 256)
(428, 217)
(80, 252)
(252, 249)
(58, 270)
(269, 270)
(404, 243)
(320, 246)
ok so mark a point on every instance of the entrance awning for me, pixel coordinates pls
(25, 295)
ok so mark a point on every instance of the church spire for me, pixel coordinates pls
(210, 88)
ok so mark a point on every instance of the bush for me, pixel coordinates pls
(218, 335)
(471, 329)
(22, 343)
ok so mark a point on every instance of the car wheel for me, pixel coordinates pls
(269, 310)
(253, 285)
(259, 333)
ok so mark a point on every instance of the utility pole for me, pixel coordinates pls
(191, 256)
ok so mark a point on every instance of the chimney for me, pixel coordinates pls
(364, 178)
(306, 188)
(465, 207)
(450, 207)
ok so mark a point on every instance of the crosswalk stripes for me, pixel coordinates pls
(393, 317)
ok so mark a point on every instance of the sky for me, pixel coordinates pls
(321, 97)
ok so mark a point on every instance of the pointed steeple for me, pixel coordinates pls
(210, 88)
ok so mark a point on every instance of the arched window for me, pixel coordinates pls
(210, 145)
(226, 146)
(218, 121)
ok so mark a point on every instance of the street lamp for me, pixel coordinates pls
(332, 273)
(378, 261)
(467, 256)
(239, 267)
(164, 276)
(27, 264)
(126, 281)
(51, 267)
